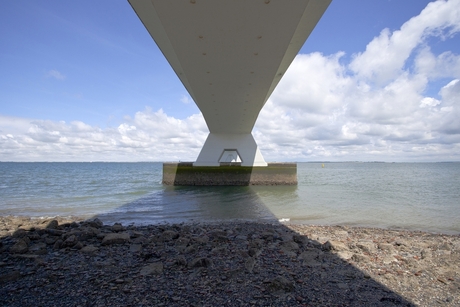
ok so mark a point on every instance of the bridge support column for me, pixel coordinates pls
(230, 148)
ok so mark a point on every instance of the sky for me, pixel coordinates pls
(375, 81)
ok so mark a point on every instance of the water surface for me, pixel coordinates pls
(416, 196)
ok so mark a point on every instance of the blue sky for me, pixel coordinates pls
(84, 81)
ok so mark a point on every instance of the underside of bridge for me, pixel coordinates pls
(230, 55)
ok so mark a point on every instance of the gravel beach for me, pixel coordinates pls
(73, 262)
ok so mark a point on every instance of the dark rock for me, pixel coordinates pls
(201, 239)
(299, 239)
(89, 249)
(58, 244)
(74, 225)
(181, 261)
(55, 232)
(334, 245)
(19, 247)
(33, 236)
(116, 238)
(152, 269)
(10, 276)
(117, 227)
(200, 262)
(70, 241)
(78, 245)
(135, 248)
(38, 249)
(53, 224)
(254, 252)
(280, 284)
(169, 235)
(20, 233)
(249, 264)
(96, 223)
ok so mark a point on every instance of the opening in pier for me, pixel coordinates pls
(230, 155)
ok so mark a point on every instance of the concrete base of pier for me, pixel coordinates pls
(230, 174)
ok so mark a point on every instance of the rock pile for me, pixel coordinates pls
(86, 263)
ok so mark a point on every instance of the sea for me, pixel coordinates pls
(411, 196)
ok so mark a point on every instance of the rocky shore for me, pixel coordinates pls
(59, 262)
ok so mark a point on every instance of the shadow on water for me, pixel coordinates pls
(176, 204)
(232, 263)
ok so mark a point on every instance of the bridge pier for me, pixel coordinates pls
(230, 174)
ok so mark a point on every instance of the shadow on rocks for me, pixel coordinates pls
(86, 263)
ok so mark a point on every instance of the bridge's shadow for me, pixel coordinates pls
(231, 262)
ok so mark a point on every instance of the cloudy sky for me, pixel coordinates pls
(376, 81)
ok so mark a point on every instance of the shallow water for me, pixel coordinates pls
(416, 196)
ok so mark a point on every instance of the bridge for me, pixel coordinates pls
(230, 55)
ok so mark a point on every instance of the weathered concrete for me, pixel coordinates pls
(185, 174)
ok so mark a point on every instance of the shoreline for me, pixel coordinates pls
(84, 262)
(79, 218)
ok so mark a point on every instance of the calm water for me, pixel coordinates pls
(417, 196)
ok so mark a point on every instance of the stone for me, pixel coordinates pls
(19, 247)
(425, 253)
(38, 249)
(309, 257)
(200, 262)
(201, 239)
(280, 284)
(182, 241)
(345, 254)
(115, 238)
(89, 249)
(219, 249)
(334, 246)
(54, 232)
(19, 233)
(388, 259)
(190, 249)
(58, 244)
(386, 247)
(117, 227)
(445, 246)
(70, 241)
(53, 224)
(367, 247)
(249, 264)
(299, 239)
(290, 246)
(135, 248)
(152, 269)
(78, 245)
(254, 252)
(360, 258)
(169, 235)
(96, 223)
(10, 276)
(181, 261)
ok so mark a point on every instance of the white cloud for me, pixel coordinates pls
(375, 107)
(386, 54)
(149, 136)
(185, 99)
(379, 106)
(55, 74)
